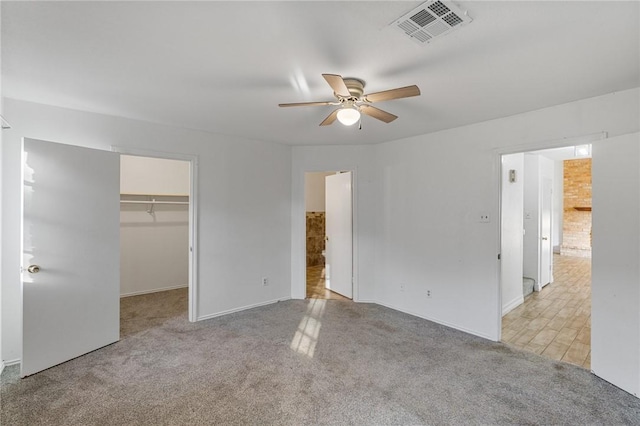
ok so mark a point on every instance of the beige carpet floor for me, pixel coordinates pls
(305, 362)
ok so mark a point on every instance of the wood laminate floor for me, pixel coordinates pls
(556, 322)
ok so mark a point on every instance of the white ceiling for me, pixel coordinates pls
(224, 66)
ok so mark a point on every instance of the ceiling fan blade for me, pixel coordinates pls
(377, 113)
(296, 104)
(402, 92)
(331, 118)
(337, 84)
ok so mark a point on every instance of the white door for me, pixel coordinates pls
(70, 231)
(546, 253)
(339, 257)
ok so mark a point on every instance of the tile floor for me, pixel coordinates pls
(556, 322)
(315, 285)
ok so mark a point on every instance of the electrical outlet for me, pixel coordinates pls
(483, 217)
(265, 281)
(428, 294)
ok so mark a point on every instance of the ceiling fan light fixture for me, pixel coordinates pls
(348, 116)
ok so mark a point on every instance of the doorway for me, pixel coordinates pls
(70, 277)
(154, 239)
(329, 235)
(158, 227)
(545, 269)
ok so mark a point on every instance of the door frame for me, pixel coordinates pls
(300, 270)
(497, 173)
(550, 241)
(193, 216)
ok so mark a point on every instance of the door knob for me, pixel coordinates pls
(33, 269)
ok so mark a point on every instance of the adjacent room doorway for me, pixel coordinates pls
(546, 251)
(329, 235)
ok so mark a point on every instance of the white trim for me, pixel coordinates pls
(242, 308)
(438, 321)
(512, 305)
(155, 290)
(1, 367)
(539, 287)
(550, 144)
(12, 362)
(193, 216)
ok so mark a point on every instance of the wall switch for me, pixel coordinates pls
(483, 217)
(265, 281)
(428, 294)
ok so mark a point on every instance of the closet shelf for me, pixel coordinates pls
(152, 202)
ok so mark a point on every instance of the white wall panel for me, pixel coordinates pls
(159, 176)
(244, 204)
(432, 189)
(615, 288)
(511, 234)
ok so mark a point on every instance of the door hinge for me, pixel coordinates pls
(498, 256)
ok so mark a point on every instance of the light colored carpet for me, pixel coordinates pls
(305, 362)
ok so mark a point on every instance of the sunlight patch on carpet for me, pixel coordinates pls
(306, 336)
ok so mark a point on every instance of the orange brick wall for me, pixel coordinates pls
(576, 229)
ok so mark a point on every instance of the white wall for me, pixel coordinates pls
(557, 215)
(158, 176)
(314, 191)
(432, 189)
(511, 235)
(154, 248)
(244, 205)
(1, 210)
(615, 287)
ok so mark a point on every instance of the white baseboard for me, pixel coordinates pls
(243, 308)
(438, 321)
(4, 364)
(512, 305)
(155, 290)
(540, 287)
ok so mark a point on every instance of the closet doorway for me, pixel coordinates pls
(157, 237)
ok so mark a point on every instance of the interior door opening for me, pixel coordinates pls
(329, 235)
(154, 237)
(70, 245)
(546, 252)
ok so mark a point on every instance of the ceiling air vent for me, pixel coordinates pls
(431, 20)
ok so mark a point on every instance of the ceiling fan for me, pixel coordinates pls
(350, 96)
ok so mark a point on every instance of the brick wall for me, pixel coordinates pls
(576, 229)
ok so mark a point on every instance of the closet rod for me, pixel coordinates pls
(152, 202)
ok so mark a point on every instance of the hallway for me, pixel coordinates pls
(315, 285)
(556, 322)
